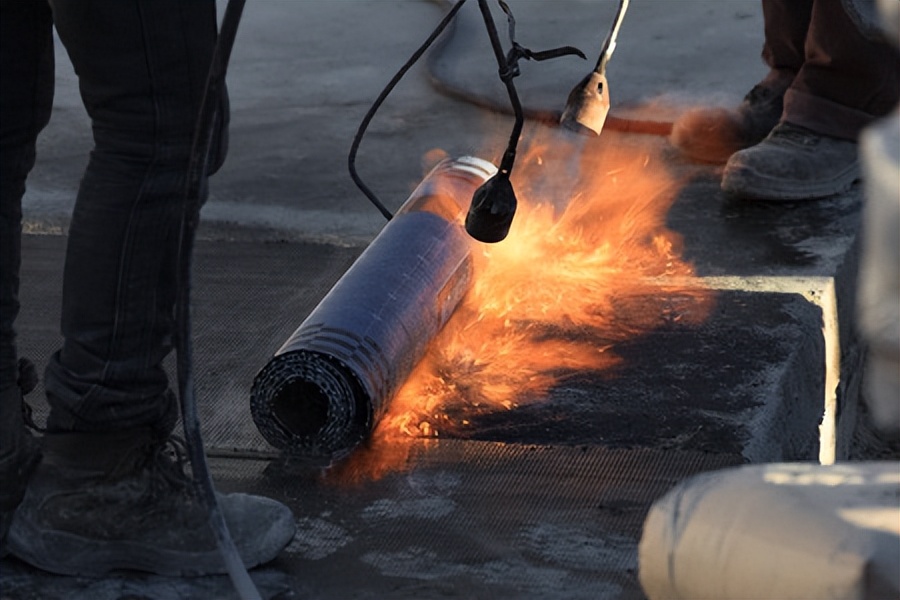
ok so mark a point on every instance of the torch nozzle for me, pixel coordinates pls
(492, 210)
(587, 105)
(588, 102)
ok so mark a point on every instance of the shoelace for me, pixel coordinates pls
(170, 461)
(759, 94)
(795, 134)
(27, 379)
(162, 463)
(165, 461)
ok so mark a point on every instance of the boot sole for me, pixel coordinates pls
(64, 553)
(753, 186)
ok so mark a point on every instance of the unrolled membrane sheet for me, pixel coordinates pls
(324, 390)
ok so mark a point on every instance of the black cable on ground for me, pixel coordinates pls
(199, 159)
(549, 117)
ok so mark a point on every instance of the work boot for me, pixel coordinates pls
(713, 134)
(19, 450)
(101, 502)
(792, 163)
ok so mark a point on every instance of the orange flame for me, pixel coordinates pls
(551, 299)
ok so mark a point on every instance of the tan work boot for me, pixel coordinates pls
(792, 163)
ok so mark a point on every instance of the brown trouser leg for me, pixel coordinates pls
(843, 80)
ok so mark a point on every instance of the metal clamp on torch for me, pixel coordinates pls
(494, 203)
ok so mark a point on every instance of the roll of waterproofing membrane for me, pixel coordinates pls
(324, 390)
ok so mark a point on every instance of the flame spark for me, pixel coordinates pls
(550, 301)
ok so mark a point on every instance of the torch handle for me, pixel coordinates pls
(609, 45)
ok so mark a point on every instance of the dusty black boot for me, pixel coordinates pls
(19, 450)
(792, 163)
(101, 502)
(714, 134)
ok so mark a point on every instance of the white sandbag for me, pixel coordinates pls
(777, 531)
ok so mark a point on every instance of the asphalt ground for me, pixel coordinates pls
(545, 500)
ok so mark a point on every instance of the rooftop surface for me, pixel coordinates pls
(540, 499)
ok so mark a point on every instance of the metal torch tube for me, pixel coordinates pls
(324, 390)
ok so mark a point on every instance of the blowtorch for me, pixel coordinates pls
(587, 106)
(494, 203)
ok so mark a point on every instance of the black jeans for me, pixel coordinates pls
(142, 67)
(841, 80)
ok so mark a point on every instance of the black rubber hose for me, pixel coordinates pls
(357, 139)
(199, 159)
(509, 157)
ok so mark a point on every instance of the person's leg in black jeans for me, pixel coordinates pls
(846, 81)
(141, 69)
(109, 494)
(26, 98)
